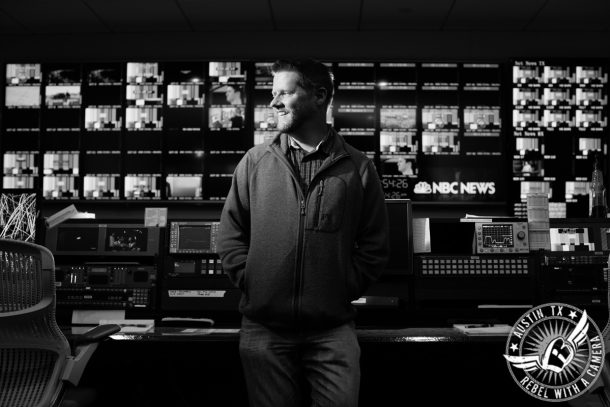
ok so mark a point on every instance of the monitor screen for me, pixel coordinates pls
(77, 239)
(401, 236)
(571, 239)
(193, 237)
(126, 239)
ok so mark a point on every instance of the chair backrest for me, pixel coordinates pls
(33, 350)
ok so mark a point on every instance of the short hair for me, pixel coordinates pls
(314, 74)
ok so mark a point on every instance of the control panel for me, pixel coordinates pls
(505, 237)
(193, 237)
(106, 285)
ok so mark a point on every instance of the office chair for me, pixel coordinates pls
(37, 364)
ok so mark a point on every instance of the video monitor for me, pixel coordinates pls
(226, 118)
(20, 74)
(142, 163)
(122, 239)
(528, 167)
(144, 95)
(398, 118)
(59, 187)
(222, 164)
(101, 186)
(142, 187)
(143, 118)
(60, 139)
(354, 75)
(527, 119)
(440, 143)
(193, 237)
(440, 118)
(185, 119)
(480, 77)
(265, 118)
(589, 145)
(482, 121)
(135, 141)
(20, 163)
(557, 119)
(185, 72)
(263, 77)
(261, 137)
(103, 96)
(103, 118)
(144, 72)
(576, 188)
(103, 74)
(593, 97)
(527, 97)
(591, 119)
(396, 76)
(591, 75)
(439, 76)
(99, 162)
(400, 217)
(224, 71)
(22, 96)
(183, 187)
(183, 140)
(228, 94)
(558, 75)
(350, 117)
(398, 165)
(398, 142)
(65, 74)
(76, 239)
(185, 95)
(571, 239)
(61, 162)
(527, 145)
(18, 182)
(184, 162)
(527, 73)
(535, 187)
(558, 98)
(62, 119)
(21, 120)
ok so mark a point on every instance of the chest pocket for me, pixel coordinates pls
(327, 204)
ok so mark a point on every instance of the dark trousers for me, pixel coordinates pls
(306, 368)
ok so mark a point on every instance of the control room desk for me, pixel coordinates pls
(438, 365)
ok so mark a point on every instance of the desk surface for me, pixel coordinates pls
(377, 335)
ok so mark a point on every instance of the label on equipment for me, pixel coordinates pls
(196, 293)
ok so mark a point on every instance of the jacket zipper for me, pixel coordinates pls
(303, 197)
(316, 215)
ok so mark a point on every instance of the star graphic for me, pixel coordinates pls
(513, 347)
(572, 314)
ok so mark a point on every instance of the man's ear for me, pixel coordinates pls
(321, 95)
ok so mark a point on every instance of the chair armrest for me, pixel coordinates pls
(96, 334)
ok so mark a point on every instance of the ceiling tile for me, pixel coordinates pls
(511, 15)
(140, 15)
(56, 16)
(404, 15)
(568, 15)
(227, 15)
(323, 15)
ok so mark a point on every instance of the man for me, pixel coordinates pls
(233, 94)
(303, 233)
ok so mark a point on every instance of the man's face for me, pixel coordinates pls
(294, 104)
(230, 94)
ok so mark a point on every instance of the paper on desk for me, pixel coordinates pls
(93, 317)
(478, 329)
(421, 235)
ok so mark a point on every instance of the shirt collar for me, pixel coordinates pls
(323, 145)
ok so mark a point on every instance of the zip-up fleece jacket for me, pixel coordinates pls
(300, 257)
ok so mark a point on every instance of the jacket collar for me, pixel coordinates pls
(334, 146)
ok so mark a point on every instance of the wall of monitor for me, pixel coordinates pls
(441, 132)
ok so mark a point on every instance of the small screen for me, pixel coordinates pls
(77, 239)
(126, 239)
(497, 236)
(194, 238)
(571, 240)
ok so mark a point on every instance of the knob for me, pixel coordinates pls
(521, 235)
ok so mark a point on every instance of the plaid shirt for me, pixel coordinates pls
(305, 164)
